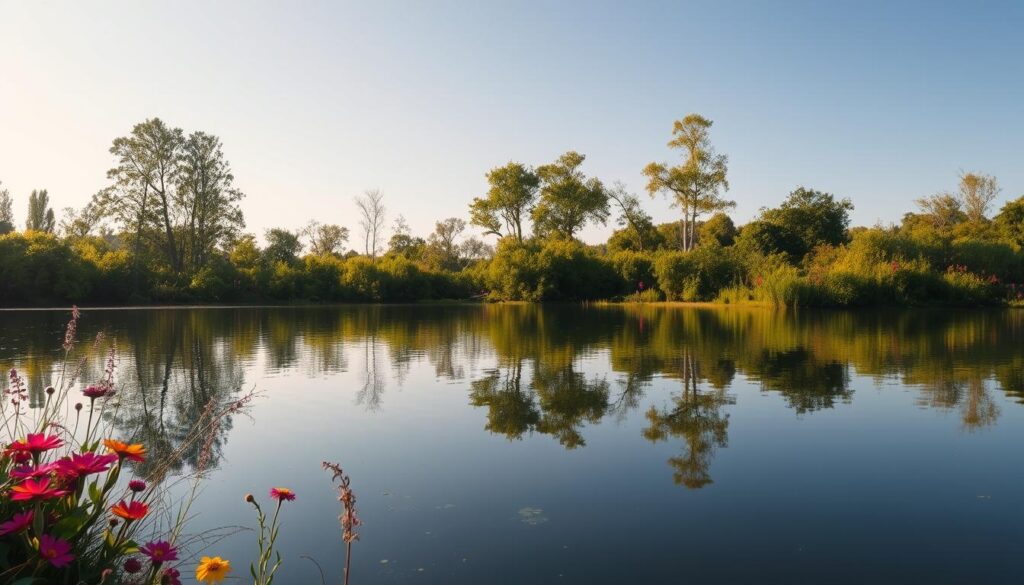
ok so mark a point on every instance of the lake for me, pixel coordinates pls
(589, 444)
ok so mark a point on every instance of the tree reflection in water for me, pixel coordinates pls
(551, 370)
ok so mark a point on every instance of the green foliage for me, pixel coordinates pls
(698, 275)
(558, 270)
(511, 195)
(813, 217)
(40, 215)
(568, 199)
(719, 229)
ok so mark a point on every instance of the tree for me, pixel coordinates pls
(147, 174)
(718, 228)
(815, 217)
(404, 244)
(695, 184)
(79, 224)
(282, 246)
(942, 211)
(325, 239)
(568, 199)
(977, 192)
(1010, 221)
(512, 194)
(40, 215)
(371, 212)
(638, 224)
(473, 249)
(6, 211)
(442, 248)
(207, 201)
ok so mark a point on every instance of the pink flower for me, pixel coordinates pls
(94, 392)
(80, 464)
(281, 494)
(32, 489)
(35, 443)
(29, 472)
(137, 485)
(17, 523)
(132, 565)
(55, 550)
(159, 551)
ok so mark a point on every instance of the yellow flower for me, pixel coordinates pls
(212, 570)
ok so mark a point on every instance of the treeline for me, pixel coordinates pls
(169, 228)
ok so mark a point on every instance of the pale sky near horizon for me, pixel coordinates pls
(881, 102)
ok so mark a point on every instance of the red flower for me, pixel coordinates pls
(282, 494)
(35, 443)
(87, 463)
(55, 550)
(17, 523)
(137, 485)
(32, 489)
(130, 510)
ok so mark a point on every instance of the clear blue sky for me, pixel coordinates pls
(880, 102)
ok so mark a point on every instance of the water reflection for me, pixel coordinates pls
(550, 371)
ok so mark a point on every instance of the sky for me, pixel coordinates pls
(880, 102)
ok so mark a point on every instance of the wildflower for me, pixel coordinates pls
(130, 510)
(137, 485)
(17, 523)
(50, 390)
(170, 577)
(94, 392)
(55, 550)
(30, 472)
(132, 565)
(22, 457)
(78, 406)
(81, 464)
(159, 551)
(249, 498)
(32, 489)
(134, 451)
(281, 494)
(212, 570)
(36, 443)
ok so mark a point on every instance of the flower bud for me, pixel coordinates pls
(249, 498)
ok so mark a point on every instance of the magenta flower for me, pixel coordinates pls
(132, 565)
(94, 392)
(159, 552)
(17, 523)
(170, 577)
(35, 443)
(55, 550)
(29, 472)
(80, 464)
(137, 485)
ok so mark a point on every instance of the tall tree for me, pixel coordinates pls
(6, 211)
(40, 214)
(511, 196)
(977, 191)
(79, 223)
(568, 199)
(371, 220)
(147, 173)
(207, 200)
(695, 185)
(325, 239)
(1010, 221)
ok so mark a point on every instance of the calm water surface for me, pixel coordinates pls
(523, 444)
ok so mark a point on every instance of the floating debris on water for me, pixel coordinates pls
(531, 516)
